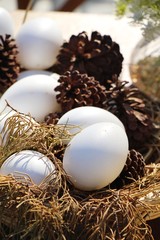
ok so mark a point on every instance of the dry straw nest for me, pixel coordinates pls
(56, 210)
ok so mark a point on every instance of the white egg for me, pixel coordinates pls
(96, 156)
(82, 117)
(28, 73)
(32, 95)
(28, 162)
(6, 23)
(55, 76)
(38, 41)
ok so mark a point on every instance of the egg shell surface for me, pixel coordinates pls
(82, 117)
(6, 23)
(28, 73)
(38, 41)
(96, 156)
(32, 95)
(27, 162)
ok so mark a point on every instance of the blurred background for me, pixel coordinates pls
(107, 8)
(92, 6)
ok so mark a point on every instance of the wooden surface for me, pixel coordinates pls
(121, 31)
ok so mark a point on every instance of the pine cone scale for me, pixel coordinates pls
(78, 89)
(9, 66)
(124, 103)
(98, 56)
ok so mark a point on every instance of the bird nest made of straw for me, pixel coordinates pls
(55, 209)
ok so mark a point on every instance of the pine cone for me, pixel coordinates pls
(77, 90)
(52, 118)
(132, 171)
(99, 57)
(9, 67)
(130, 109)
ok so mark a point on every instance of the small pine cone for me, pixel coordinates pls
(9, 67)
(52, 118)
(130, 109)
(76, 90)
(133, 170)
(99, 56)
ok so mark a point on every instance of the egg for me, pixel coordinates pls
(55, 76)
(28, 73)
(82, 117)
(96, 156)
(6, 23)
(32, 95)
(28, 163)
(39, 41)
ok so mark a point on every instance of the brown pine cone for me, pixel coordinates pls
(52, 118)
(98, 56)
(124, 102)
(9, 67)
(76, 90)
(132, 171)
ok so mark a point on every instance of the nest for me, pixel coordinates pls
(57, 210)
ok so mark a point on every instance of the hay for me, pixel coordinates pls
(55, 209)
(45, 213)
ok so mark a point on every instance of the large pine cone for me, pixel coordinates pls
(99, 56)
(76, 90)
(9, 67)
(124, 102)
(132, 171)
